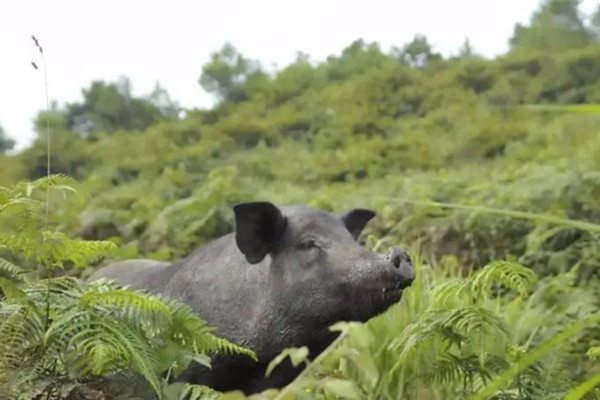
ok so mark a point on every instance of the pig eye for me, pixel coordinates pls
(307, 244)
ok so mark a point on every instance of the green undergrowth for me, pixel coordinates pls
(60, 336)
(500, 332)
(488, 171)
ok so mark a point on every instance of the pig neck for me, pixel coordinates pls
(286, 331)
(273, 319)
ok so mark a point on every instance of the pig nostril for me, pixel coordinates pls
(396, 261)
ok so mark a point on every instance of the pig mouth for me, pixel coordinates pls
(375, 299)
(398, 287)
(395, 288)
(391, 293)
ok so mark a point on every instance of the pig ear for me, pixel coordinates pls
(258, 228)
(356, 220)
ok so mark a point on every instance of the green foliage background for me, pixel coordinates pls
(487, 170)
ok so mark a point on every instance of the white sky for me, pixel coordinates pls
(169, 41)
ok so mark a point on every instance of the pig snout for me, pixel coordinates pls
(403, 267)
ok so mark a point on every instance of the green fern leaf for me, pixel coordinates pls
(11, 270)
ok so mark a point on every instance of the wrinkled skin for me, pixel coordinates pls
(281, 279)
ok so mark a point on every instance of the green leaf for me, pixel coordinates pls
(535, 355)
(582, 389)
(202, 359)
(296, 354)
(234, 395)
(593, 352)
(342, 388)
(174, 391)
(11, 290)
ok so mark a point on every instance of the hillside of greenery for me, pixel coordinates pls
(488, 171)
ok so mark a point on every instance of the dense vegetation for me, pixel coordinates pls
(487, 170)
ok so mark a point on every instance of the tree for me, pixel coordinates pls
(418, 53)
(354, 59)
(54, 119)
(466, 50)
(6, 143)
(111, 106)
(230, 75)
(557, 25)
(161, 99)
(595, 24)
(302, 58)
(293, 80)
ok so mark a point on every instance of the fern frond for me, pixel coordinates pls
(467, 320)
(55, 181)
(512, 275)
(61, 291)
(11, 339)
(197, 392)
(67, 324)
(57, 330)
(19, 343)
(195, 330)
(538, 353)
(449, 368)
(132, 306)
(128, 345)
(10, 289)
(450, 293)
(472, 319)
(443, 370)
(22, 215)
(454, 326)
(56, 248)
(11, 271)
